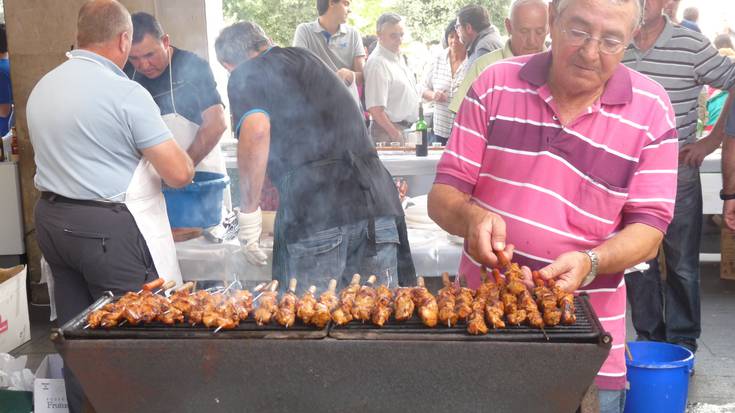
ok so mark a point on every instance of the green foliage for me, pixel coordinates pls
(426, 19)
(278, 18)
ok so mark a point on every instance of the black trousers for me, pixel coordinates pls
(90, 250)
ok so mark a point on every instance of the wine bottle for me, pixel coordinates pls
(422, 148)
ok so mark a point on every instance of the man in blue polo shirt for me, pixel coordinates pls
(101, 150)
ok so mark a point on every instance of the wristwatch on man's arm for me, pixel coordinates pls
(594, 262)
(726, 197)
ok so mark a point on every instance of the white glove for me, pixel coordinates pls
(251, 224)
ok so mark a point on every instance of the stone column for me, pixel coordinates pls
(40, 32)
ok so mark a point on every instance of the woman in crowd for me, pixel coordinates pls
(442, 82)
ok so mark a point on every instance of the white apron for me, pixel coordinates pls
(185, 132)
(144, 200)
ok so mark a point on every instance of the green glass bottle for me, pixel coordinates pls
(422, 148)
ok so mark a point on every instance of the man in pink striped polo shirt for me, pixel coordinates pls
(564, 159)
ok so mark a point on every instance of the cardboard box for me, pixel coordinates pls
(49, 392)
(16, 401)
(15, 328)
(727, 254)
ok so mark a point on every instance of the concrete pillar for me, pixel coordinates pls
(40, 32)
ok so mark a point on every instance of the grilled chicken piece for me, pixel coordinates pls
(463, 308)
(514, 277)
(527, 303)
(328, 298)
(565, 301)
(342, 314)
(305, 307)
(476, 323)
(546, 301)
(268, 305)
(365, 301)
(286, 314)
(425, 303)
(383, 306)
(403, 304)
(323, 308)
(447, 302)
(494, 312)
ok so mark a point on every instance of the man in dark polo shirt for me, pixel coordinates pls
(184, 89)
(339, 211)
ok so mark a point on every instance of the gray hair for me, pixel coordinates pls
(100, 21)
(691, 14)
(520, 3)
(562, 5)
(235, 42)
(387, 18)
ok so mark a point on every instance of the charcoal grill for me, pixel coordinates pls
(401, 367)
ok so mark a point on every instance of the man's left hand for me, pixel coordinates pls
(347, 76)
(569, 270)
(694, 154)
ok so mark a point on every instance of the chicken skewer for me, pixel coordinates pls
(383, 305)
(327, 302)
(342, 313)
(425, 303)
(447, 302)
(268, 304)
(306, 306)
(494, 308)
(546, 301)
(565, 301)
(286, 314)
(365, 301)
(112, 314)
(403, 303)
(465, 297)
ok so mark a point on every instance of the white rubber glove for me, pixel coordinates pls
(251, 225)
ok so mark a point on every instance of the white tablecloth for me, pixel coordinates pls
(200, 259)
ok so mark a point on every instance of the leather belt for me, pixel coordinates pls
(53, 197)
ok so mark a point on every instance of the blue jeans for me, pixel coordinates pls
(611, 401)
(679, 323)
(340, 252)
(730, 124)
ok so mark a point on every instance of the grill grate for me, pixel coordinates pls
(586, 329)
(246, 329)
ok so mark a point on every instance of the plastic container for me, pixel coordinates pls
(658, 377)
(199, 204)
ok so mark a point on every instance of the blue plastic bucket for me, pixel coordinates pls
(199, 204)
(658, 377)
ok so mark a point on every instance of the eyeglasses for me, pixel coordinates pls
(608, 45)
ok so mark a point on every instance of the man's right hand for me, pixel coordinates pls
(728, 214)
(251, 225)
(485, 234)
(347, 76)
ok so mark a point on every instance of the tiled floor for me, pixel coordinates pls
(711, 389)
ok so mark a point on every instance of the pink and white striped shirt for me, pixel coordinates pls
(565, 188)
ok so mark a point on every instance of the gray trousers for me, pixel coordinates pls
(90, 250)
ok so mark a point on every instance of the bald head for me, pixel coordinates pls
(101, 21)
(518, 4)
(528, 26)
